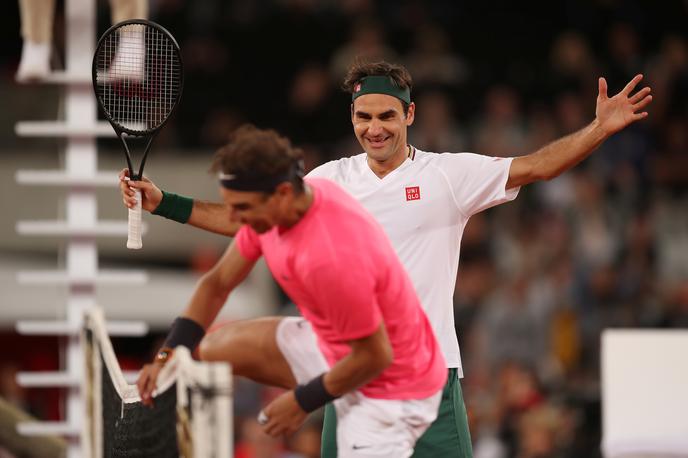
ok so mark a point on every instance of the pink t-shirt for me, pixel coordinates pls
(337, 265)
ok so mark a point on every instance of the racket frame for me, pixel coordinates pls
(134, 238)
(119, 129)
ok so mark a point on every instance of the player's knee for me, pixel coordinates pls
(215, 345)
(206, 349)
(226, 344)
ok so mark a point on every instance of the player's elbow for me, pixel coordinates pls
(385, 363)
(208, 282)
(544, 170)
(540, 171)
(382, 358)
(375, 362)
(383, 349)
(388, 356)
(529, 169)
(546, 173)
(212, 285)
(546, 177)
(372, 354)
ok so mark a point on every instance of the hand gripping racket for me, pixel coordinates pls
(138, 79)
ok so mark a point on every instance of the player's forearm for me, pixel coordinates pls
(561, 155)
(557, 157)
(212, 217)
(368, 358)
(206, 302)
(352, 372)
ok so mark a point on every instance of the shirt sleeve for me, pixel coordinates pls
(478, 182)
(346, 297)
(326, 170)
(248, 243)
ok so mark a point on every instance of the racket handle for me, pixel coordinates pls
(134, 240)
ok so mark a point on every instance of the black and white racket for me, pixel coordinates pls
(138, 79)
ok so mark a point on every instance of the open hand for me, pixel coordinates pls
(617, 112)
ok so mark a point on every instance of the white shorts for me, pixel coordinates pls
(366, 427)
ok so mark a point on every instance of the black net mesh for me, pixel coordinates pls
(135, 430)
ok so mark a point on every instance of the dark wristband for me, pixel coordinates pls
(313, 394)
(174, 207)
(186, 332)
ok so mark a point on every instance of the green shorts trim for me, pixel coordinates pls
(448, 436)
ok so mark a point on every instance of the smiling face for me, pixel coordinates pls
(256, 209)
(381, 126)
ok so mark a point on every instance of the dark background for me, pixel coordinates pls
(602, 246)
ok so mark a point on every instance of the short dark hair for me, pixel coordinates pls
(261, 152)
(362, 68)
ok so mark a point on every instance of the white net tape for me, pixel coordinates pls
(192, 413)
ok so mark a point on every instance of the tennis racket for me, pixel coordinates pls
(137, 78)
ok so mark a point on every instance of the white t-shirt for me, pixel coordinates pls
(423, 206)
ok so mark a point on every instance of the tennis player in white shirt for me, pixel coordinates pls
(423, 200)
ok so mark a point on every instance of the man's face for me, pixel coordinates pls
(380, 125)
(257, 209)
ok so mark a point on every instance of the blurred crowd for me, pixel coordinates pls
(605, 245)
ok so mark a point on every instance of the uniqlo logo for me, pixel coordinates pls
(413, 193)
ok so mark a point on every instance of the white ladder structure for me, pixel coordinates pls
(80, 177)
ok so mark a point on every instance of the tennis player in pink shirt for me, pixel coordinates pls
(364, 342)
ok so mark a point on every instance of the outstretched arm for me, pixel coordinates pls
(611, 115)
(209, 216)
(213, 217)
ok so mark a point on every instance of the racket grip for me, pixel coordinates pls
(134, 239)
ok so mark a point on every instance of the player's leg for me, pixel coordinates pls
(121, 10)
(130, 38)
(37, 32)
(251, 348)
(328, 447)
(448, 435)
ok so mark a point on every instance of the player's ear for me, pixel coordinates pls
(283, 189)
(411, 114)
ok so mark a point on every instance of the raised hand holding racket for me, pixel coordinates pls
(137, 78)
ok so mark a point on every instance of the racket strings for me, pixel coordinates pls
(138, 76)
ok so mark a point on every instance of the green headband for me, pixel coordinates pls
(380, 85)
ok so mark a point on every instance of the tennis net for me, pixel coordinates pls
(191, 416)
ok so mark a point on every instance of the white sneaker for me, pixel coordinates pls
(35, 62)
